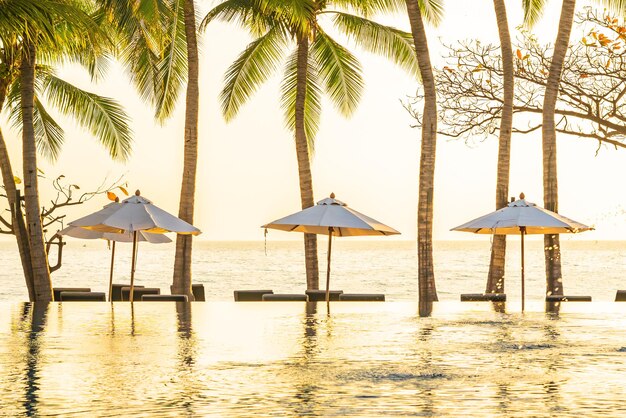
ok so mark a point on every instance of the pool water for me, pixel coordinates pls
(296, 359)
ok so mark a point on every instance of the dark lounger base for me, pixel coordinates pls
(139, 292)
(57, 291)
(483, 297)
(320, 295)
(164, 298)
(561, 298)
(285, 297)
(116, 291)
(362, 297)
(250, 295)
(82, 297)
(620, 296)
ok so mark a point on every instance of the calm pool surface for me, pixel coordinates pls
(291, 359)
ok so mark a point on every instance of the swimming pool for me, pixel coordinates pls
(296, 359)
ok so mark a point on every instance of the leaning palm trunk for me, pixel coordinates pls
(304, 163)
(19, 227)
(552, 250)
(426, 271)
(182, 262)
(495, 280)
(39, 259)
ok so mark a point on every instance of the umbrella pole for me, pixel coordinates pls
(522, 230)
(111, 273)
(330, 244)
(132, 268)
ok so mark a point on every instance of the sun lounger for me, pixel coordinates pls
(362, 297)
(116, 291)
(562, 298)
(57, 291)
(164, 298)
(139, 292)
(483, 297)
(82, 297)
(285, 297)
(197, 290)
(250, 295)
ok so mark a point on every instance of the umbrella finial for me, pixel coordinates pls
(522, 195)
(117, 199)
(332, 195)
(137, 192)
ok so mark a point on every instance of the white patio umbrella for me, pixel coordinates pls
(521, 217)
(81, 233)
(134, 215)
(331, 217)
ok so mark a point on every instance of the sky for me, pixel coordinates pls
(247, 170)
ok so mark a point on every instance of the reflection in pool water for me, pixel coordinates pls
(294, 359)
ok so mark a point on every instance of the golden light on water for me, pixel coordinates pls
(291, 359)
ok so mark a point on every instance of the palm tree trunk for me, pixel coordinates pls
(19, 228)
(426, 271)
(39, 259)
(552, 250)
(182, 263)
(495, 280)
(304, 163)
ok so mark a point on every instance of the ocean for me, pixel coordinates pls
(594, 268)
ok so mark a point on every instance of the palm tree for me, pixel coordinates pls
(159, 48)
(532, 11)
(551, 244)
(182, 262)
(431, 11)
(552, 249)
(57, 28)
(318, 63)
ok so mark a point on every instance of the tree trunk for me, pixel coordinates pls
(39, 259)
(19, 228)
(426, 271)
(182, 263)
(495, 280)
(552, 250)
(304, 164)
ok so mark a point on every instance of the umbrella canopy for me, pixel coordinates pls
(82, 233)
(331, 213)
(521, 217)
(522, 213)
(135, 213)
(331, 217)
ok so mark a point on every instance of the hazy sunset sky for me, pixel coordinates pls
(247, 172)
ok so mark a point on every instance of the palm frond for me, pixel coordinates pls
(391, 43)
(253, 66)
(339, 71)
(102, 116)
(368, 8)
(533, 9)
(256, 16)
(432, 11)
(615, 6)
(312, 102)
(49, 135)
(172, 68)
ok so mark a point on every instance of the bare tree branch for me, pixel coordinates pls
(591, 97)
